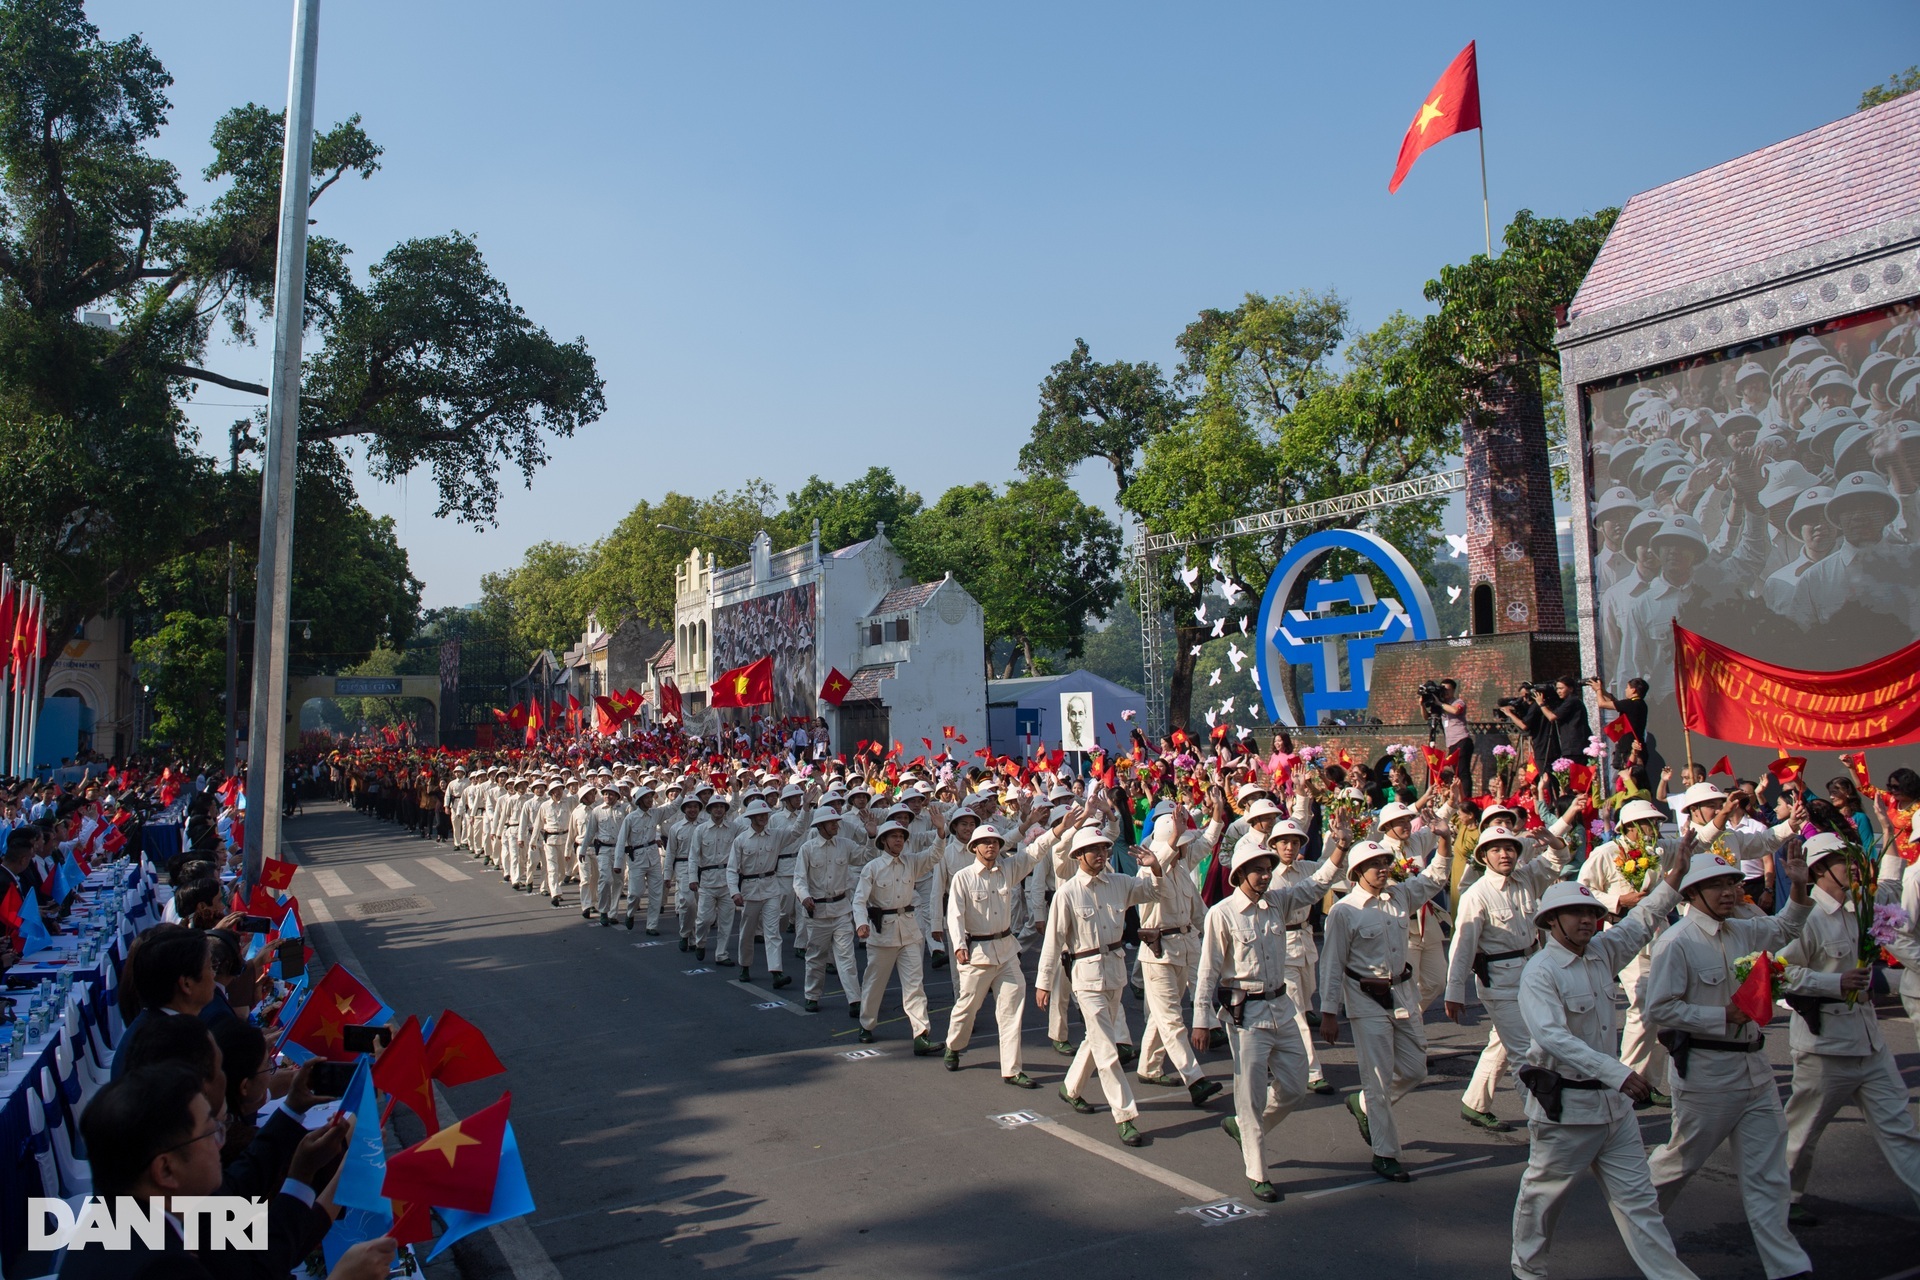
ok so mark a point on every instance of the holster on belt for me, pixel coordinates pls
(1807, 1008)
(1232, 1003)
(1547, 1087)
(1679, 1047)
(1483, 964)
(1150, 939)
(1379, 990)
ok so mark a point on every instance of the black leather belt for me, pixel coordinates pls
(603, 844)
(835, 898)
(1295, 928)
(988, 937)
(1082, 955)
(760, 875)
(1483, 963)
(879, 913)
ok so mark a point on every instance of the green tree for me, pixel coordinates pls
(183, 663)
(1039, 560)
(847, 513)
(426, 364)
(1093, 410)
(629, 573)
(543, 597)
(1898, 85)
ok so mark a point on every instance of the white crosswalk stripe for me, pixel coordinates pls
(387, 876)
(444, 871)
(331, 884)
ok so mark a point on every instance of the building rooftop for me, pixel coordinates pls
(865, 684)
(1854, 174)
(912, 597)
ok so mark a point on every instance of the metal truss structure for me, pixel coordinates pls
(1147, 547)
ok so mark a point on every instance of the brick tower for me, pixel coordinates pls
(1513, 559)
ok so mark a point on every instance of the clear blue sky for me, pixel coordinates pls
(813, 238)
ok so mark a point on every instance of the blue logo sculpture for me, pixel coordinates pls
(1318, 637)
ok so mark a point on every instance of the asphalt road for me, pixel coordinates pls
(674, 1122)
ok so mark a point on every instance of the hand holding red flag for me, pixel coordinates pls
(1754, 997)
(339, 1001)
(277, 875)
(1723, 765)
(402, 1071)
(457, 1167)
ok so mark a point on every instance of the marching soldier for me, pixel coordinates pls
(1367, 976)
(680, 866)
(1493, 936)
(1721, 1083)
(753, 881)
(457, 806)
(1580, 1098)
(583, 834)
(1840, 1057)
(1083, 948)
(1426, 936)
(979, 926)
(637, 849)
(712, 846)
(823, 883)
(1288, 840)
(556, 815)
(886, 916)
(792, 824)
(1169, 945)
(1243, 976)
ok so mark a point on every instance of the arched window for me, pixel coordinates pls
(1483, 609)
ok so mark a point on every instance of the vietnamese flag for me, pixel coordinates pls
(534, 720)
(457, 1053)
(277, 875)
(339, 1001)
(402, 1071)
(669, 701)
(1723, 765)
(834, 691)
(1787, 769)
(1754, 997)
(748, 686)
(457, 1167)
(1452, 107)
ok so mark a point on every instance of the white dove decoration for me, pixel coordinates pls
(1200, 614)
(1214, 564)
(1209, 719)
(1230, 589)
(1194, 652)
(1226, 708)
(1189, 576)
(1219, 626)
(1213, 679)
(1255, 673)
(1458, 543)
(1453, 595)
(1234, 655)
(1243, 626)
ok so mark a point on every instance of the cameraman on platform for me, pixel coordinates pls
(1524, 711)
(1441, 700)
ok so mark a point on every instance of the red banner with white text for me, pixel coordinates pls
(1734, 698)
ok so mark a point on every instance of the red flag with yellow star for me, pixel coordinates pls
(456, 1168)
(402, 1072)
(1452, 107)
(338, 1001)
(458, 1054)
(277, 875)
(834, 691)
(748, 686)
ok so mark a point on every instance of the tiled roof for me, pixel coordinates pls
(663, 656)
(865, 685)
(850, 550)
(1848, 176)
(903, 598)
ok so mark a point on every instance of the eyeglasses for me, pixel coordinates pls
(218, 1133)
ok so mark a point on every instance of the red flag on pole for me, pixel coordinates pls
(748, 686)
(1723, 765)
(834, 691)
(1754, 997)
(1452, 107)
(402, 1072)
(457, 1053)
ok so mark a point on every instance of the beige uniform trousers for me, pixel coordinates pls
(1824, 1083)
(1392, 1056)
(912, 959)
(1638, 1047)
(556, 848)
(1302, 982)
(1100, 1010)
(714, 912)
(1269, 1079)
(1751, 1116)
(1507, 1036)
(761, 916)
(1427, 953)
(587, 858)
(1558, 1154)
(1165, 1038)
(1008, 986)
(833, 936)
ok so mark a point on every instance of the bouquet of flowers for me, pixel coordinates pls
(1354, 805)
(1596, 748)
(1889, 922)
(1505, 758)
(1403, 868)
(1314, 758)
(1563, 772)
(1405, 753)
(1776, 976)
(1637, 861)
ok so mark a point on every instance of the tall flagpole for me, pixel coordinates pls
(266, 722)
(6, 672)
(1486, 214)
(32, 691)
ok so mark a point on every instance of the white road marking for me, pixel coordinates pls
(331, 884)
(766, 999)
(387, 876)
(319, 911)
(1418, 1171)
(1127, 1160)
(442, 870)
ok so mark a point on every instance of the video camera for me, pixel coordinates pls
(1432, 696)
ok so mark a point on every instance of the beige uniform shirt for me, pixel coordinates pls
(1828, 946)
(980, 904)
(886, 884)
(1089, 913)
(753, 865)
(712, 843)
(1244, 945)
(639, 834)
(1496, 916)
(1180, 908)
(823, 870)
(1368, 932)
(1301, 948)
(1692, 981)
(1567, 1002)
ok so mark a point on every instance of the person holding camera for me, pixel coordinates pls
(1440, 699)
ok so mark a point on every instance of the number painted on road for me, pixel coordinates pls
(1223, 1211)
(1014, 1119)
(771, 1004)
(691, 972)
(861, 1055)
(649, 944)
